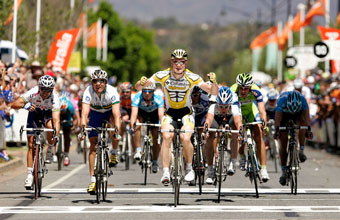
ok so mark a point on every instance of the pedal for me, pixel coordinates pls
(29, 187)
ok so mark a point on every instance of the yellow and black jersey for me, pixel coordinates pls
(177, 92)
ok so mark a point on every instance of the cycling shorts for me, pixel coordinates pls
(38, 119)
(173, 115)
(219, 121)
(125, 111)
(96, 120)
(151, 117)
(296, 117)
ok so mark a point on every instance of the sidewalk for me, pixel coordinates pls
(18, 158)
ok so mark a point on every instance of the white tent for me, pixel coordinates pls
(262, 77)
(6, 51)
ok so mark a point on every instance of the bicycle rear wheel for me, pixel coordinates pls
(294, 170)
(199, 168)
(253, 173)
(126, 152)
(36, 171)
(105, 175)
(275, 155)
(60, 152)
(85, 150)
(98, 173)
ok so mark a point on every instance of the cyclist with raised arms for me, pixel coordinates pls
(253, 110)
(291, 106)
(69, 122)
(227, 110)
(147, 107)
(100, 102)
(178, 83)
(44, 110)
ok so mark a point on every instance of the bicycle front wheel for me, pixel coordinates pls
(126, 152)
(60, 152)
(145, 161)
(85, 150)
(176, 178)
(36, 171)
(294, 169)
(106, 175)
(199, 167)
(253, 173)
(220, 172)
(98, 173)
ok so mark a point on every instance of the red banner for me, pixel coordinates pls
(62, 47)
(268, 36)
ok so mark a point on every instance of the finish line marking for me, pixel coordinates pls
(158, 209)
(194, 190)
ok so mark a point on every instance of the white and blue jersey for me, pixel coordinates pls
(156, 102)
(281, 105)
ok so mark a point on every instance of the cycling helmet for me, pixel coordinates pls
(152, 87)
(74, 88)
(272, 94)
(298, 83)
(294, 103)
(196, 89)
(46, 82)
(125, 86)
(179, 54)
(225, 96)
(99, 74)
(244, 79)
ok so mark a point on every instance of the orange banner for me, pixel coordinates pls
(338, 19)
(268, 36)
(296, 25)
(92, 36)
(62, 47)
(10, 17)
(317, 9)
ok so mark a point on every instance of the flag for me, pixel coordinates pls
(81, 20)
(62, 47)
(338, 19)
(10, 17)
(296, 25)
(92, 36)
(264, 38)
(317, 9)
(329, 33)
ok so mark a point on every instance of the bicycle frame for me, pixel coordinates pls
(102, 170)
(39, 168)
(176, 166)
(221, 160)
(253, 166)
(293, 165)
(146, 159)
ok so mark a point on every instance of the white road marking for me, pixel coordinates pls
(48, 190)
(75, 170)
(158, 209)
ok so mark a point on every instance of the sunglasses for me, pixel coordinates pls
(147, 91)
(179, 62)
(126, 91)
(224, 106)
(99, 80)
(195, 94)
(43, 89)
(243, 87)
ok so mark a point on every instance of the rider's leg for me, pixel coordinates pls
(50, 155)
(166, 152)
(155, 146)
(67, 140)
(210, 150)
(137, 142)
(283, 156)
(92, 158)
(188, 149)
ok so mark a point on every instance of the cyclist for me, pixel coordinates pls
(126, 97)
(291, 106)
(147, 107)
(270, 105)
(68, 120)
(299, 86)
(44, 110)
(100, 102)
(227, 110)
(178, 82)
(253, 109)
(200, 103)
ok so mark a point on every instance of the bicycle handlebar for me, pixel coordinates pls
(252, 123)
(296, 127)
(223, 130)
(148, 124)
(177, 130)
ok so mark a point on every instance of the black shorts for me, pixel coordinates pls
(151, 117)
(286, 117)
(38, 119)
(220, 121)
(125, 111)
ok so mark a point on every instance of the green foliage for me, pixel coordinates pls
(131, 49)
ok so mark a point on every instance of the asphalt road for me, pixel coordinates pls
(64, 195)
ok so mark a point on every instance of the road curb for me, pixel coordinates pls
(12, 164)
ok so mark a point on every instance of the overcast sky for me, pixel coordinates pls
(199, 11)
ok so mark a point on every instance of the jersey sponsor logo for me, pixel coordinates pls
(246, 102)
(87, 98)
(113, 98)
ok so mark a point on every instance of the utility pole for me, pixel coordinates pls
(289, 8)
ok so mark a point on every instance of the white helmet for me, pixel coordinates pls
(298, 84)
(99, 74)
(46, 82)
(152, 87)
